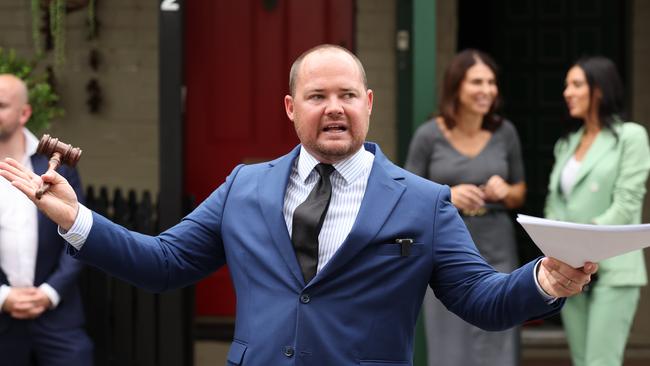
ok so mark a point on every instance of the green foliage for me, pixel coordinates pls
(42, 97)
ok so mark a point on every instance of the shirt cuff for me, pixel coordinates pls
(51, 293)
(4, 292)
(79, 231)
(547, 298)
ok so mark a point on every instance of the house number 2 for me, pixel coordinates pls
(169, 5)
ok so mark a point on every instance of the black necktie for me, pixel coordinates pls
(307, 221)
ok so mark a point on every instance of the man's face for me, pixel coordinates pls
(331, 106)
(14, 111)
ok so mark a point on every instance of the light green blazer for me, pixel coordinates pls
(609, 190)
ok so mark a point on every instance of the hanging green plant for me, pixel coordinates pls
(55, 20)
(42, 97)
(92, 21)
(57, 29)
(36, 27)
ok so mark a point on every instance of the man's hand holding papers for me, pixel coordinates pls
(573, 249)
(576, 244)
(559, 279)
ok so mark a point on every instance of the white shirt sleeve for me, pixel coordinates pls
(51, 293)
(79, 231)
(4, 292)
(548, 298)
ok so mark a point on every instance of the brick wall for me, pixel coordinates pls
(446, 38)
(375, 40)
(640, 44)
(15, 25)
(120, 144)
(375, 36)
(640, 112)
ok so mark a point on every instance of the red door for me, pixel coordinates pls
(237, 60)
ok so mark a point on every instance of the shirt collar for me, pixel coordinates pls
(350, 168)
(31, 143)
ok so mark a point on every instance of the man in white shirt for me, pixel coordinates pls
(40, 307)
(330, 247)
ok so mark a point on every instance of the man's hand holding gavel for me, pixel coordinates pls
(59, 201)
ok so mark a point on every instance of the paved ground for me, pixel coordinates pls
(546, 346)
(540, 348)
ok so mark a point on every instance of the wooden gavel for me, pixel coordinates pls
(59, 153)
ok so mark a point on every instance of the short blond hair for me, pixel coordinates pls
(295, 67)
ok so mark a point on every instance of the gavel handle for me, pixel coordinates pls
(54, 163)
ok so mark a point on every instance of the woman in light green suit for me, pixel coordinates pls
(599, 178)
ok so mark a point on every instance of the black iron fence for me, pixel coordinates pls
(130, 326)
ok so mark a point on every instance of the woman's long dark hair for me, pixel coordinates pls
(454, 76)
(601, 74)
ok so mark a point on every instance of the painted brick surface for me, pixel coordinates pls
(121, 142)
(376, 49)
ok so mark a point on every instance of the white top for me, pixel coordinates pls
(569, 175)
(19, 232)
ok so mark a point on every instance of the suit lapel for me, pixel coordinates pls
(601, 145)
(271, 188)
(39, 166)
(382, 194)
(572, 143)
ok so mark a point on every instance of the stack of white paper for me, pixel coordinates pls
(576, 244)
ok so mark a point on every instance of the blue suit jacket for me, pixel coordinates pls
(53, 265)
(361, 308)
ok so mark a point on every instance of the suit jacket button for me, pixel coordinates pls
(594, 187)
(288, 351)
(305, 299)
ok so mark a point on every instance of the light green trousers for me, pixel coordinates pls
(597, 324)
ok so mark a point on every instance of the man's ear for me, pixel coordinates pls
(25, 113)
(370, 95)
(288, 106)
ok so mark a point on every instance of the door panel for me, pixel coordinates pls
(237, 60)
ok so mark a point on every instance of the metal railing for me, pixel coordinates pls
(130, 326)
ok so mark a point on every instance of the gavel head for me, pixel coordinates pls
(49, 145)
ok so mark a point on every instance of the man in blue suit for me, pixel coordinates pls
(381, 235)
(41, 321)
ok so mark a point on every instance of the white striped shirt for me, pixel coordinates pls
(349, 182)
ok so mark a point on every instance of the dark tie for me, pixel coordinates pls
(307, 221)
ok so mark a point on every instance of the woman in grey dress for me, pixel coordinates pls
(477, 154)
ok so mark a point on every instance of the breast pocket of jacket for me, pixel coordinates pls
(401, 248)
(383, 363)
